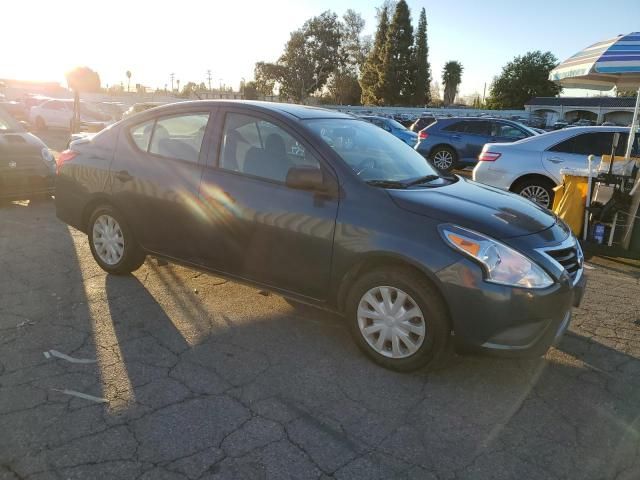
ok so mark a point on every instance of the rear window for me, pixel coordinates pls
(455, 127)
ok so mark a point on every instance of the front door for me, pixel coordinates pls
(155, 177)
(257, 227)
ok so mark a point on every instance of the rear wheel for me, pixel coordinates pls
(538, 190)
(397, 319)
(444, 158)
(112, 243)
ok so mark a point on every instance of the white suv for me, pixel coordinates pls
(531, 167)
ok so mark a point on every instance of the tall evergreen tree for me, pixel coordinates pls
(423, 74)
(370, 77)
(397, 79)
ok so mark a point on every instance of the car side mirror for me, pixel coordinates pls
(305, 178)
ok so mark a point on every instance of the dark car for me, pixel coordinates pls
(319, 207)
(422, 122)
(456, 142)
(27, 167)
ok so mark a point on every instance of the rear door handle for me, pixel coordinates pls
(556, 160)
(456, 137)
(123, 176)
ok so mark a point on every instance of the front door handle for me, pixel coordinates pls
(123, 176)
(556, 160)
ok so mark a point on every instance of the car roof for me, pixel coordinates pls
(301, 112)
(555, 136)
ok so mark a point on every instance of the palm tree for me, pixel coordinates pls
(128, 74)
(451, 78)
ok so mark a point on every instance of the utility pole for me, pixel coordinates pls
(172, 76)
(484, 92)
(209, 75)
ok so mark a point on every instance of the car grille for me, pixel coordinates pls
(569, 258)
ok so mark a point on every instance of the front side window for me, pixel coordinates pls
(505, 130)
(370, 155)
(260, 148)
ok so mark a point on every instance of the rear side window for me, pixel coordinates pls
(455, 127)
(141, 134)
(479, 128)
(177, 136)
(596, 143)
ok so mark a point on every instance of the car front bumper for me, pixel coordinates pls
(504, 319)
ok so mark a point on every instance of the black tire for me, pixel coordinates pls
(437, 331)
(132, 257)
(439, 156)
(529, 186)
(40, 125)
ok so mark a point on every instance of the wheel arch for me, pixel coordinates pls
(97, 200)
(377, 260)
(531, 176)
(443, 144)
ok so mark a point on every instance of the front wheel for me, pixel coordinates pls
(398, 319)
(444, 158)
(112, 243)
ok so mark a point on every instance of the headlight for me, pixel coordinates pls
(502, 264)
(47, 155)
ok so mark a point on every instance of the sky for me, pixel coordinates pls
(153, 39)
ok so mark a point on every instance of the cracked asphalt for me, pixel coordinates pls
(207, 379)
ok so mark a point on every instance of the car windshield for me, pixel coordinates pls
(8, 123)
(373, 154)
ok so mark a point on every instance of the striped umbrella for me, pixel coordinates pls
(603, 65)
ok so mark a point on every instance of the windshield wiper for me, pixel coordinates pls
(425, 179)
(386, 183)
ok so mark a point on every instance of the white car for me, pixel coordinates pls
(59, 113)
(531, 167)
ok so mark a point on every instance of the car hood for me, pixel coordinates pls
(478, 207)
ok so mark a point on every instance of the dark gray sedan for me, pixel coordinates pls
(27, 167)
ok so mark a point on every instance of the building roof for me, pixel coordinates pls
(606, 102)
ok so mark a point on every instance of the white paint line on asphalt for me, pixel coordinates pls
(73, 393)
(589, 267)
(47, 355)
(63, 356)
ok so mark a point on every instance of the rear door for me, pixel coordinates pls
(155, 176)
(476, 134)
(258, 228)
(573, 152)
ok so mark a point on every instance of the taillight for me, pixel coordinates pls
(489, 156)
(64, 157)
(422, 135)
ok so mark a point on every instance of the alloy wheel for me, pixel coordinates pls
(391, 322)
(108, 239)
(443, 159)
(537, 194)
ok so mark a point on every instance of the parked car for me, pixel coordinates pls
(394, 128)
(15, 109)
(559, 125)
(422, 122)
(59, 114)
(140, 107)
(323, 209)
(531, 167)
(27, 167)
(456, 142)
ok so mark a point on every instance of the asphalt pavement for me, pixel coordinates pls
(176, 374)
